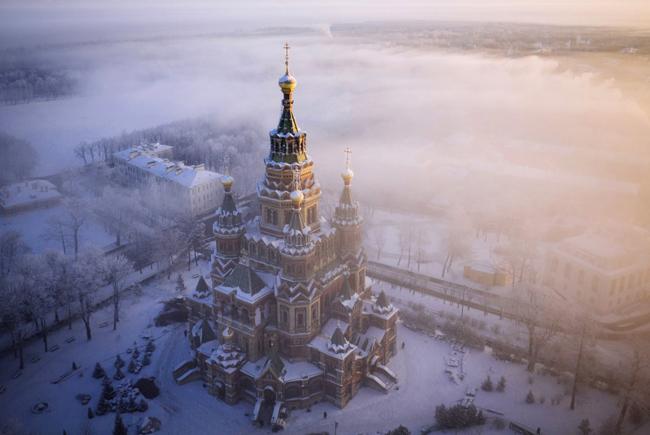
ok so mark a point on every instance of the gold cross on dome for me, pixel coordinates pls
(226, 164)
(286, 57)
(348, 157)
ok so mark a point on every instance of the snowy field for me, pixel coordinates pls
(189, 409)
(32, 225)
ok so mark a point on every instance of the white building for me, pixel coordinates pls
(605, 270)
(27, 195)
(189, 186)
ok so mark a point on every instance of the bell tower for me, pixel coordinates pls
(228, 230)
(347, 221)
(287, 154)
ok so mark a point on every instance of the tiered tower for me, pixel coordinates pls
(348, 223)
(288, 153)
(228, 230)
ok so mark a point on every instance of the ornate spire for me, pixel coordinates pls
(288, 143)
(338, 343)
(229, 219)
(347, 210)
(296, 233)
(346, 290)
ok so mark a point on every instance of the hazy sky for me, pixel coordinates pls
(399, 108)
(294, 12)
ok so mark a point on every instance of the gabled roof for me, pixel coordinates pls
(245, 279)
(275, 364)
(203, 331)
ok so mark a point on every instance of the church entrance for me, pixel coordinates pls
(268, 403)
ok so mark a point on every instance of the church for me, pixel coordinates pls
(290, 319)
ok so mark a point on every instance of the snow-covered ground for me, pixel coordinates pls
(32, 225)
(429, 235)
(189, 409)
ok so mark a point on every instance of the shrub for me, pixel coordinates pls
(487, 384)
(400, 430)
(458, 416)
(132, 366)
(501, 386)
(99, 372)
(585, 427)
(530, 397)
(118, 374)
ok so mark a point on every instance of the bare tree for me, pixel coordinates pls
(116, 209)
(81, 152)
(538, 317)
(56, 231)
(379, 238)
(12, 248)
(114, 270)
(13, 297)
(86, 282)
(405, 239)
(73, 220)
(422, 242)
(36, 300)
(587, 330)
(635, 379)
(457, 246)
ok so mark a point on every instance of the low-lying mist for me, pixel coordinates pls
(425, 125)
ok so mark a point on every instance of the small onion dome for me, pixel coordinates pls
(227, 333)
(226, 181)
(297, 197)
(347, 176)
(287, 83)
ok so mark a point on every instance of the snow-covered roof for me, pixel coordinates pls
(611, 250)
(293, 371)
(27, 193)
(248, 284)
(328, 341)
(175, 171)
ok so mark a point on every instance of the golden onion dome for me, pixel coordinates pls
(227, 181)
(347, 176)
(227, 333)
(287, 83)
(296, 198)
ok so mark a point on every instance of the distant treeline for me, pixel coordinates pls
(17, 159)
(25, 84)
(513, 39)
(195, 141)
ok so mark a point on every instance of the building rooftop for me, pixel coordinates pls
(609, 250)
(146, 157)
(27, 192)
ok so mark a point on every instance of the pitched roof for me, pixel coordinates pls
(338, 338)
(245, 279)
(275, 364)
